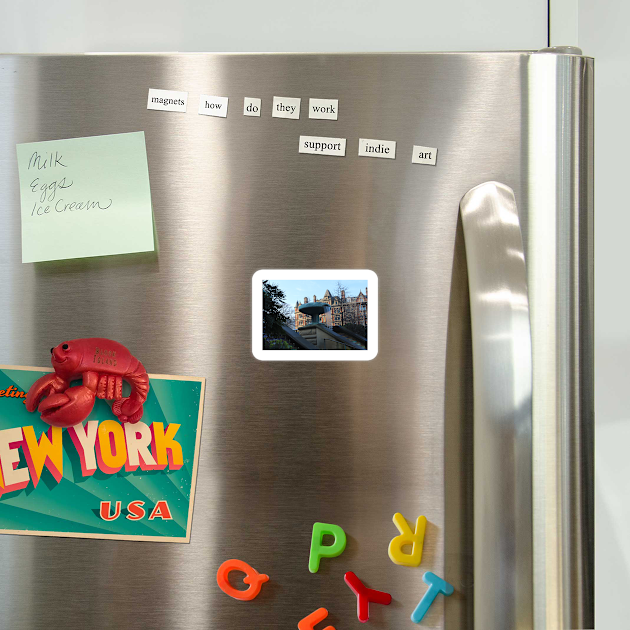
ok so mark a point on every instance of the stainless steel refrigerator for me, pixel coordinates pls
(477, 411)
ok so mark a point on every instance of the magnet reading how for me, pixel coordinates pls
(436, 586)
(252, 577)
(213, 105)
(285, 107)
(319, 550)
(407, 537)
(377, 148)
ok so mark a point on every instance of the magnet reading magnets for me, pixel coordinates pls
(102, 364)
(252, 577)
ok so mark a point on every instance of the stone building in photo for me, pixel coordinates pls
(343, 310)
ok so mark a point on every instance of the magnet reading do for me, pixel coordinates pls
(251, 106)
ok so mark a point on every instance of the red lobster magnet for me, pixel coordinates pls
(102, 364)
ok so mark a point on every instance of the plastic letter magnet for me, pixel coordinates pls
(252, 577)
(407, 537)
(436, 586)
(319, 551)
(308, 623)
(365, 596)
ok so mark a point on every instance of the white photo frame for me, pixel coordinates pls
(313, 274)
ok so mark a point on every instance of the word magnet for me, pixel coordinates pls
(407, 537)
(251, 106)
(252, 577)
(436, 586)
(309, 623)
(365, 596)
(285, 107)
(213, 105)
(319, 550)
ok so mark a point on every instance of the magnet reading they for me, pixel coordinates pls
(252, 577)
(407, 537)
(319, 551)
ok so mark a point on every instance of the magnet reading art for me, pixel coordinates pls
(47, 188)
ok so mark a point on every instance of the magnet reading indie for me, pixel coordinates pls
(107, 446)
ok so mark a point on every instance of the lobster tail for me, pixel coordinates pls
(139, 381)
(130, 409)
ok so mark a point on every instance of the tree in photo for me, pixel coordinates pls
(273, 309)
(289, 312)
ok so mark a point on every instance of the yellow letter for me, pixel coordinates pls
(163, 442)
(47, 452)
(407, 537)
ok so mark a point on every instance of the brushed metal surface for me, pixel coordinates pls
(280, 449)
(502, 372)
(560, 274)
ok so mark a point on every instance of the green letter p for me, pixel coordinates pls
(319, 551)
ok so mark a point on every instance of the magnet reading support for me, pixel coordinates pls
(407, 537)
(319, 551)
(308, 623)
(365, 596)
(252, 577)
(436, 586)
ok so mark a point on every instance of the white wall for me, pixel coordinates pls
(283, 25)
(603, 28)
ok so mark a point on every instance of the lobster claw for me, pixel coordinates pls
(68, 408)
(43, 386)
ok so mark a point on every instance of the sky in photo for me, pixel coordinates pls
(297, 290)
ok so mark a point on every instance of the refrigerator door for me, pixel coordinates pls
(287, 444)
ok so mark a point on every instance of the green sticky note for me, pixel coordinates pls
(85, 197)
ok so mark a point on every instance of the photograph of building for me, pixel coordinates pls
(338, 320)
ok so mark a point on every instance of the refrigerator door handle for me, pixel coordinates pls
(502, 375)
